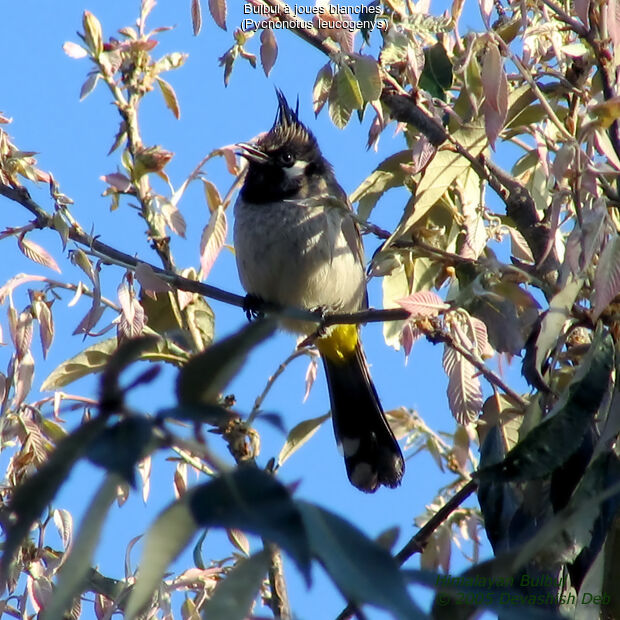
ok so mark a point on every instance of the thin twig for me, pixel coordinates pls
(417, 542)
(487, 373)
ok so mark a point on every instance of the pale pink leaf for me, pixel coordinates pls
(64, 523)
(118, 181)
(46, 326)
(481, 338)
(212, 240)
(91, 319)
(613, 22)
(229, 154)
(39, 592)
(36, 253)
(408, 337)
(185, 298)
(217, 8)
(486, 8)
(173, 218)
(268, 50)
(18, 280)
(150, 282)
(21, 333)
(131, 321)
(311, 373)
(196, 11)
(73, 50)
(423, 304)
(25, 375)
(422, 153)
(125, 297)
(495, 88)
(464, 391)
(582, 8)
(607, 277)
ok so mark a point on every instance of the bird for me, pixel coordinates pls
(298, 245)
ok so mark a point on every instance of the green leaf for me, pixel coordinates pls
(362, 570)
(321, 88)
(551, 443)
(93, 359)
(388, 174)
(170, 97)
(203, 378)
(298, 436)
(247, 499)
(233, 597)
(436, 77)
(348, 88)
(439, 175)
(35, 493)
(75, 568)
(367, 72)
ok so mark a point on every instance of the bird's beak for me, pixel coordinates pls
(251, 152)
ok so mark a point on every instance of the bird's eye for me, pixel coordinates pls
(287, 159)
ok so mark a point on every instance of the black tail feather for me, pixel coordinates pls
(371, 453)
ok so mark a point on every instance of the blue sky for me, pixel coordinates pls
(40, 91)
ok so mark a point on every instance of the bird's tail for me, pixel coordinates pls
(371, 453)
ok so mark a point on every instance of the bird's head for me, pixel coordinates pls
(284, 161)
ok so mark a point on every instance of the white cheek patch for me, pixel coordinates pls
(296, 170)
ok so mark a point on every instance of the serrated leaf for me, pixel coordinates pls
(233, 597)
(548, 445)
(174, 218)
(299, 435)
(464, 391)
(321, 88)
(268, 50)
(24, 377)
(362, 570)
(170, 97)
(202, 379)
(218, 10)
(212, 240)
(36, 253)
(423, 304)
(247, 499)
